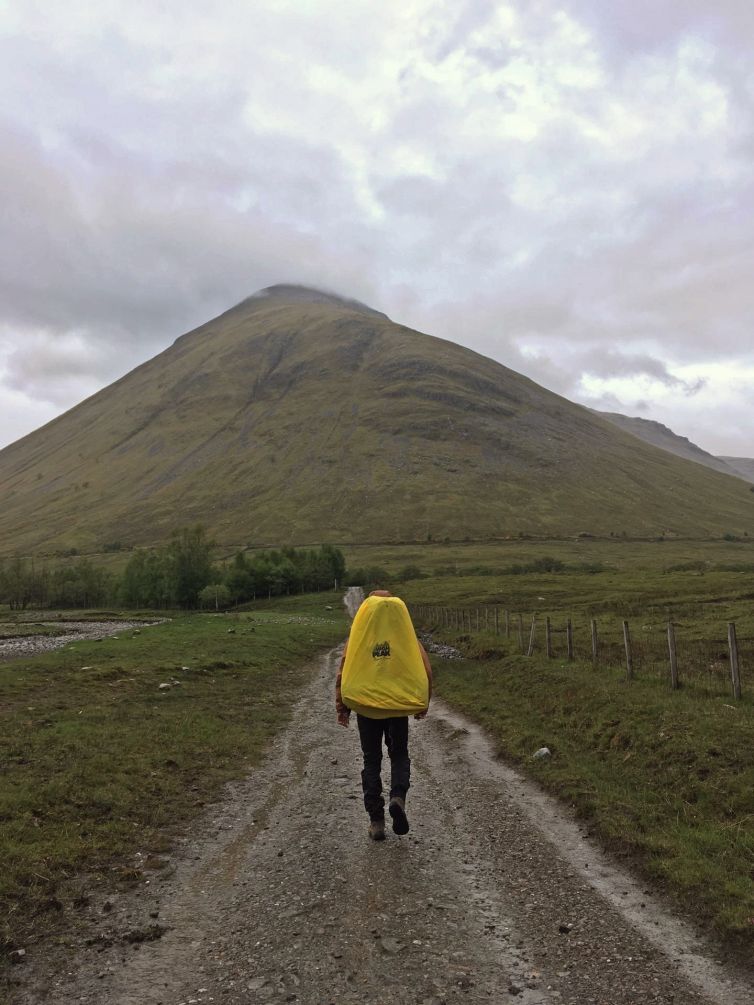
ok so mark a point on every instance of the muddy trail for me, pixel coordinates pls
(278, 895)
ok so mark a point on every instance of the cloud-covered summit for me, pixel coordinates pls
(559, 186)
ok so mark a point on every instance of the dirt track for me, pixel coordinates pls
(280, 896)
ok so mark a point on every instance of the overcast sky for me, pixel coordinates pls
(565, 187)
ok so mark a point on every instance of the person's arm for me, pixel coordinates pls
(428, 671)
(343, 711)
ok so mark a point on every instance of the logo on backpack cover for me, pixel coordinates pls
(381, 649)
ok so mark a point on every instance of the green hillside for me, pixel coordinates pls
(299, 417)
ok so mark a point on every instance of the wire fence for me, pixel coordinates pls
(723, 665)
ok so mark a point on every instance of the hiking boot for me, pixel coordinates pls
(397, 810)
(377, 829)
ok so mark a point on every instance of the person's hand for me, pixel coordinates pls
(343, 718)
(421, 715)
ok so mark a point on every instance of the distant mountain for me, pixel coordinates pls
(299, 416)
(663, 437)
(744, 466)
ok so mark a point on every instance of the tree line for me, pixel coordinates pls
(180, 574)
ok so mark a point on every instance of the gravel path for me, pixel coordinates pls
(279, 896)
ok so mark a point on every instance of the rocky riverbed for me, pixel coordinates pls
(62, 634)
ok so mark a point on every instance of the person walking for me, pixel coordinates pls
(384, 676)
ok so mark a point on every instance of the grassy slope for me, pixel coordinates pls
(97, 762)
(659, 435)
(295, 422)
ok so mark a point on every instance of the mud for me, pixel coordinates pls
(278, 895)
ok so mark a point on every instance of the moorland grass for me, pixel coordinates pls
(96, 762)
(665, 778)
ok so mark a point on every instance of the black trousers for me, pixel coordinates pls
(371, 732)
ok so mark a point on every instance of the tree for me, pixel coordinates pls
(146, 582)
(215, 595)
(189, 565)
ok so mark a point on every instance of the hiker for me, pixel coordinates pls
(384, 676)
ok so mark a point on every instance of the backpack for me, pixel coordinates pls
(383, 674)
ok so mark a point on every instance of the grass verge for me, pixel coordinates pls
(96, 762)
(666, 779)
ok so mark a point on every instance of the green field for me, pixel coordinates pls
(98, 762)
(701, 585)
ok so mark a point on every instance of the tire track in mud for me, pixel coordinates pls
(280, 896)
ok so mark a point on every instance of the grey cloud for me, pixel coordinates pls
(562, 372)
(647, 26)
(613, 363)
(146, 195)
(136, 257)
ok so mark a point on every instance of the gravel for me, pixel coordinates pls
(278, 895)
(70, 631)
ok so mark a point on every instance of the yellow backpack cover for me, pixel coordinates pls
(384, 674)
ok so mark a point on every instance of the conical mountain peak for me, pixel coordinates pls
(290, 293)
(301, 416)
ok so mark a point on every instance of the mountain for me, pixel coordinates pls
(743, 466)
(299, 416)
(663, 437)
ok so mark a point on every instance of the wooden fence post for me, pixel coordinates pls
(733, 645)
(507, 625)
(521, 632)
(629, 657)
(595, 645)
(673, 656)
(569, 638)
(548, 638)
(531, 635)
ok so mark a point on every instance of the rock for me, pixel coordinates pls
(18, 956)
(514, 989)
(390, 945)
(164, 687)
(231, 631)
(542, 753)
